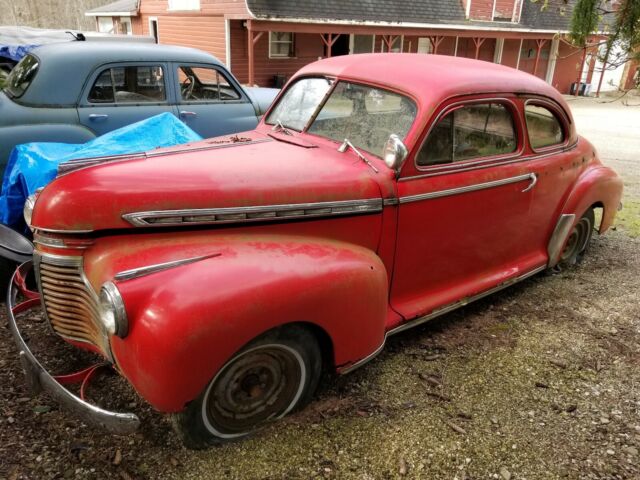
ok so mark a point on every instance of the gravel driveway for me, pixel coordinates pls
(540, 381)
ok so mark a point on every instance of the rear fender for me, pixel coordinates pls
(187, 321)
(599, 186)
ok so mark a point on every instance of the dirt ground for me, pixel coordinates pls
(540, 381)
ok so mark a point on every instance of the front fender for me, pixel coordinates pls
(187, 321)
(596, 186)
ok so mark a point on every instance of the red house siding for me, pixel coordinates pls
(481, 10)
(308, 48)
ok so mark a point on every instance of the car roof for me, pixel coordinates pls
(68, 65)
(433, 78)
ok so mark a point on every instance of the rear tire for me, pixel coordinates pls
(273, 375)
(578, 241)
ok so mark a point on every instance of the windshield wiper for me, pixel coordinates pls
(347, 144)
(280, 128)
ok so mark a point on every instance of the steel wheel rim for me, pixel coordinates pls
(260, 384)
(577, 240)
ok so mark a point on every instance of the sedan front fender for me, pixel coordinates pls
(186, 322)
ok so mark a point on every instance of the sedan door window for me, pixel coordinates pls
(205, 84)
(470, 132)
(134, 84)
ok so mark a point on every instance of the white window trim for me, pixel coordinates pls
(150, 21)
(282, 57)
(194, 8)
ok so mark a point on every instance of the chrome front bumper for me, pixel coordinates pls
(39, 379)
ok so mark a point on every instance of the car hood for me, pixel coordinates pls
(248, 170)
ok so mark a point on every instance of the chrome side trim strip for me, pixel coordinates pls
(158, 267)
(558, 238)
(362, 361)
(464, 301)
(207, 216)
(436, 313)
(470, 188)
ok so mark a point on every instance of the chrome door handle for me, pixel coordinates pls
(186, 113)
(534, 179)
(98, 116)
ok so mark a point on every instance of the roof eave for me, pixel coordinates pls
(133, 13)
(441, 26)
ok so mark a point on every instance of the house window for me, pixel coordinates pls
(125, 26)
(105, 25)
(184, 4)
(281, 45)
(362, 43)
(424, 45)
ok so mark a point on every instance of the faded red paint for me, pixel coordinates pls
(355, 277)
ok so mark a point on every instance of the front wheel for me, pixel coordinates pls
(578, 240)
(273, 375)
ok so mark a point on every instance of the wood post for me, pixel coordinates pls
(477, 41)
(252, 39)
(435, 43)
(328, 42)
(389, 40)
(539, 44)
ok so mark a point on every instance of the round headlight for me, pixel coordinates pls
(113, 315)
(27, 211)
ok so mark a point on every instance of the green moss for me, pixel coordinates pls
(628, 218)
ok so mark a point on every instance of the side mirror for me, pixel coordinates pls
(395, 152)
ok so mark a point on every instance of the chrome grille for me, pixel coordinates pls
(70, 303)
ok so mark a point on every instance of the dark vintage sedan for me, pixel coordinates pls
(73, 92)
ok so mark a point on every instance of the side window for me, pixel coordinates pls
(473, 131)
(202, 83)
(143, 84)
(544, 127)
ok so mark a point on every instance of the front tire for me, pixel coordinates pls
(273, 375)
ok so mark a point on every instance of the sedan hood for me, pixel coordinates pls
(248, 170)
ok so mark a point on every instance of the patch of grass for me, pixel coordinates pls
(629, 218)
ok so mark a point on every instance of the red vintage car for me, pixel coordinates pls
(380, 191)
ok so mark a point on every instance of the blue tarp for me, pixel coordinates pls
(15, 52)
(33, 165)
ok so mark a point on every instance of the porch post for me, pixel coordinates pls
(329, 43)
(478, 43)
(519, 55)
(584, 58)
(251, 42)
(435, 42)
(497, 54)
(540, 44)
(553, 59)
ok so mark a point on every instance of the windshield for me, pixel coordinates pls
(21, 76)
(299, 103)
(364, 115)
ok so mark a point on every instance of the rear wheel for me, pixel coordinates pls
(578, 241)
(273, 375)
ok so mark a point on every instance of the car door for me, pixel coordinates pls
(463, 214)
(210, 101)
(120, 94)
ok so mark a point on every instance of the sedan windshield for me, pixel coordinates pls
(364, 115)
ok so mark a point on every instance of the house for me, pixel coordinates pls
(264, 42)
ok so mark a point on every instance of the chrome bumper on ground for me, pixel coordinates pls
(39, 379)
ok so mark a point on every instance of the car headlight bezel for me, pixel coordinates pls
(113, 314)
(27, 210)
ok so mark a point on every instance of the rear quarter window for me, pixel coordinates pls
(545, 129)
(21, 76)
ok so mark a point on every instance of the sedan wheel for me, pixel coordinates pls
(270, 377)
(578, 240)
